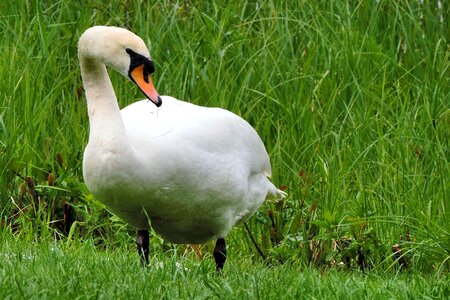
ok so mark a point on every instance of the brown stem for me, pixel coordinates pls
(254, 241)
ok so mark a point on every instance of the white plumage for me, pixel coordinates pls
(195, 171)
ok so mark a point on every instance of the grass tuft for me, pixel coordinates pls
(352, 100)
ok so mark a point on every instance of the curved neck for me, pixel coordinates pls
(105, 120)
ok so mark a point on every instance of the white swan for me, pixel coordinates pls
(194, 171)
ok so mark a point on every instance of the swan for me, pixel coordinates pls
(191, 172)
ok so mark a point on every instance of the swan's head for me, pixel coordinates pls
(124, 51)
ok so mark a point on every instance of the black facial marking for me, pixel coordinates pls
(138, 60)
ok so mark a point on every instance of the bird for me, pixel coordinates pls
(189, 173)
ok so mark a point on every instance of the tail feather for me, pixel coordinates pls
(275, 194)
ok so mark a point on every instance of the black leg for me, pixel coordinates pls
(142, 243)
(220, 254)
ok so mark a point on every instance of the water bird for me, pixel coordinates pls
(190, 172)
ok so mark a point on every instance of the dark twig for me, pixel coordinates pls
(254, 241)
(32, 190)
(68, 218)
(361, 259)
(398, 255)
(273, 230)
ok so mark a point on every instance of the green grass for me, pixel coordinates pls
(60, 270)
(351, 98)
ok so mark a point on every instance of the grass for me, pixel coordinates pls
(56, 269)
(351, 98)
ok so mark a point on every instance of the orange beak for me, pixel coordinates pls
(145, 84)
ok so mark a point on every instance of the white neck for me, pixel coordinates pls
(106, 125)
